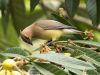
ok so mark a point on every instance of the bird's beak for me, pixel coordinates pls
(27, 40)
(30, 42)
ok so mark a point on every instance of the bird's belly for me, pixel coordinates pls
(51, 34)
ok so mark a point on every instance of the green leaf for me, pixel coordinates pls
(91, 43)
(71, 7)
(64, 60)
(11, 35)
(3, 4)
(5, 19)
(80, 72)
(98, 68)
(2, 47)
(42, 70)
(1, 31)
(19, 15)
(76, 71)
(12, 55)
(33, 4)
(49, 68)
(77, 53)
(93, 10)
(90, 60)
(33, 71)
(2, 57)
(61, 19)
(7, 43)
(92, 55)
(92, 72)
(16, 50)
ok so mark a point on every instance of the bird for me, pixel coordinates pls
(46, 30)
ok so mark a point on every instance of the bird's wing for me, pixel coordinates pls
(52, 25)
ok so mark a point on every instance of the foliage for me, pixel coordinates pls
(85, 52)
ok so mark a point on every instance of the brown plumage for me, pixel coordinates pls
(47, 30)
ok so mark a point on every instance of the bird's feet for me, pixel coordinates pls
(50, 43)
(46, 47)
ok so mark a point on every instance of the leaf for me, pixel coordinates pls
(93, 10)
(5, 19)
(8, 36)
(6, 43)
(92, 72)
(92, 55)
(3, 4)
(64, 60)
(2, 58)
(77, 53)
(2, 47)
(16, 50)
(33, 4)
(12, 55)
(98, 68)
(42, 70)
(1, 31)
(11, 35)
(33, 71)
(76, 71)
(54, 70)
(92, 43)
(61, 19)
(90, 60)
(80, 72)
(19, 15)
(71, 7)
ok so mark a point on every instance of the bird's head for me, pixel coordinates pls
(26, 38)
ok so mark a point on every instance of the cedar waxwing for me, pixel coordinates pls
(47, 30)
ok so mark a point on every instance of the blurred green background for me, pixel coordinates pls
(17, 14)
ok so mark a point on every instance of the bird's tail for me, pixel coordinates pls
(72, 31)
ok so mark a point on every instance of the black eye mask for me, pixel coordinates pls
(26, 39)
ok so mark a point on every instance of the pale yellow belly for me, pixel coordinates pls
(51, 34)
